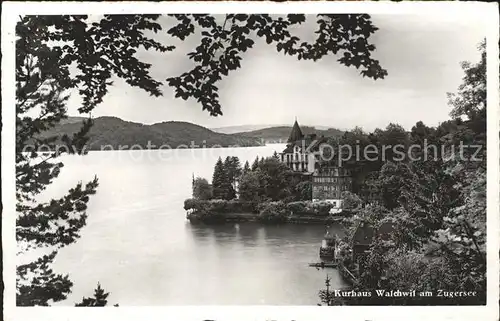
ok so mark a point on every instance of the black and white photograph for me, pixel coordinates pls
(251, 159)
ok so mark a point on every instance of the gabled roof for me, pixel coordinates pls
(288, 149)
(316, 142)
(306, 143)
(385, 230)
(296, 133)
(365, 233)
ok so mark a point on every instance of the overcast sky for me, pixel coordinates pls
(421, 54)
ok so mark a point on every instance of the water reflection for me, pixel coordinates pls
(253, 232)
(139, 246)
(295, 245)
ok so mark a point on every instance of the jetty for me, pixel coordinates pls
(324, 264)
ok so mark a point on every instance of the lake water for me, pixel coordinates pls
(140, 247)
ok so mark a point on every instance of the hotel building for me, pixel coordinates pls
(303, 154)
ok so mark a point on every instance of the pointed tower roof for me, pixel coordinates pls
(296, 133)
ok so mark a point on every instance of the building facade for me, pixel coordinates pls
(298, 160)
(364, 236)
(301, 152)
(329, 182)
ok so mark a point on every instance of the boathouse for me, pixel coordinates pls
(365, 235)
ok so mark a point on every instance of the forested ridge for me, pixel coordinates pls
(281, 133)
(115, 133)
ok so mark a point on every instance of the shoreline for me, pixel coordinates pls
(248, 217)
(220, 211)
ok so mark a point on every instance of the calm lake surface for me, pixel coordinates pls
(140, 247)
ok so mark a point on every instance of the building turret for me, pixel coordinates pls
(299, 155)
(296, 133)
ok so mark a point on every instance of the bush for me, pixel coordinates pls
(303, 190)
(309, 208)
(273, 212)
(218, 206)
(297, 207)
(277, 211)
(232, 206)
(192, 204)
(351, 202)
(321, 208)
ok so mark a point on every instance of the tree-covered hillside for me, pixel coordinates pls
(281, 133)
(114, 132)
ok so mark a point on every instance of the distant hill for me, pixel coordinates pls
(280, 133)
(240, 129)
(73, 119)
(115, 132)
